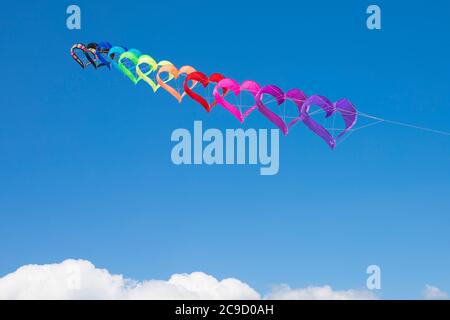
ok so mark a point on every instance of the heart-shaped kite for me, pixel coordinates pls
(133, 58)
(153, 66)
(82, 47)
(171, 69)
(295, 95)
(114, 53)
(198, 76)
(230, 84)
(143, 66)
(103, 48)
(91, 55)
(343, 106)
(327, 106)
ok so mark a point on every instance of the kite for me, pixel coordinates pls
(137, 66)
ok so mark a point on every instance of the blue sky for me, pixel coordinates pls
(85, 169)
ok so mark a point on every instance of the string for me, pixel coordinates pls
(284, 115)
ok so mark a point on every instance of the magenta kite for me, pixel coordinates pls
(159, 75)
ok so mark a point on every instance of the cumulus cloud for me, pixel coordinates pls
(284, 292)
(80, 279)
(434, 293)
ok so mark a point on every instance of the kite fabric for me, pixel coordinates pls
(137, 66)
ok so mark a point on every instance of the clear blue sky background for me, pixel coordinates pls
(85, 169)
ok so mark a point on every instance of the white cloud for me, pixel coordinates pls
(284, 292)
(434, 293)
(80, 279)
